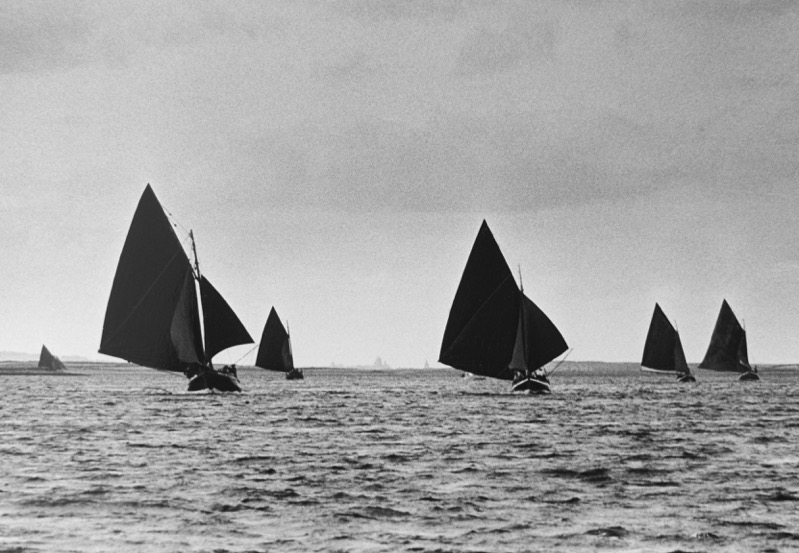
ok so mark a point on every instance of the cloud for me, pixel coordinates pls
(382, 10)
(49, 35)
(527, 38)
(460, 164)
(37, 36)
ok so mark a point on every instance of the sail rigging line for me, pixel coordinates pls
(174, 219)
(559, 362)
(189, 235)
(138, 303)
(252, 349)
(194, 251)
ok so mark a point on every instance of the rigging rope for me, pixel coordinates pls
(561, 361)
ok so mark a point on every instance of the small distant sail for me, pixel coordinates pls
(727, 350)
(492, 326)
(663, 349)
(223, 329)
(49, 361)
(274, 353)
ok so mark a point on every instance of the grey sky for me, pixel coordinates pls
(336, 158)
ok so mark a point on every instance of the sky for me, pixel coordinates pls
(335, 160)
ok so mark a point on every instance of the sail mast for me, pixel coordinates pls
(522, 320)
(196, 259)
(288, 340)
(199, 296)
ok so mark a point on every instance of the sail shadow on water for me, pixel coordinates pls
(727, 351)
(494, 329)
(153, 313)
(663, 351)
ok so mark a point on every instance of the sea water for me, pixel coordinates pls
(122, 459)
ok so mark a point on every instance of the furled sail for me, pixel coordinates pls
(223, 329)
(274, 353)
(493, 327)
(727, 350)
(49, 361)
(663, 349)
(152, 316)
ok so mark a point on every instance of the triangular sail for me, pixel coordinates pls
(45, 358)
(49, 361)
(275, 353)
(493, 327)
(663, 348)
(727, 350)
(223, 329)
(185, 334)
(153, 278)
(680, 364)
(543, 340)
(484, 317)
(518, 361)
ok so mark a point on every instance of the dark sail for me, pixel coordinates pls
(727, 350)
(485, 333)
(185, 334)
(223, 329)
(663, 348)
(274, 353)
(544, 341)
(49, 361)
(142, 321)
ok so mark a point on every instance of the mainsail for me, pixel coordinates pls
(152, 318)
(727, 350)
(49, 361)
(493, 328)
(663, 349)
(274, 353)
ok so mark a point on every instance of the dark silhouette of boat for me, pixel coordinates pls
(494, 329)
(663, 349)
(274, 353)
(49, 361)
(727, 351)
(153, 313)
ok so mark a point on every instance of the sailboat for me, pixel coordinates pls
(49, 361)
(663, 349)
(494, 329)
(727, 350)
(153, 313)
(274, 353)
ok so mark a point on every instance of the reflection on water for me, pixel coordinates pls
(123, 459)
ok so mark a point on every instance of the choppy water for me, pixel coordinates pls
(124, 460)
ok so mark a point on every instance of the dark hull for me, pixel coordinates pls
(211, 379)
(749, 377)
(294, 374)
(686, 378)
(531, 386)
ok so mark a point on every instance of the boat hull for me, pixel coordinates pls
(210, 379)
(686, 378)
(531, 386)
(749, 377)
(294, 374)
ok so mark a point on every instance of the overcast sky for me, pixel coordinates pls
(336, 159)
